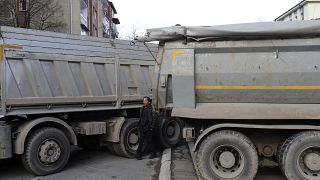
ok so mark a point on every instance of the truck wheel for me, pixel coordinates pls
(299, 156)
(280, 150)
(170, 132)
(47, 151)
(129, 139)
(227, 155)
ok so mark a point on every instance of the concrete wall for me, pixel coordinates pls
(71, 16)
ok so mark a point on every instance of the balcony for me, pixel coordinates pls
(84, 12)
(84, 20)
(115, 21)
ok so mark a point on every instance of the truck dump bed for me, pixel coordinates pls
(46, 72)
(245, 71)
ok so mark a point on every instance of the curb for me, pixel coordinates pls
(165, 170)
(191, 145)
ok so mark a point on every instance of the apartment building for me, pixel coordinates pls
(305, 10)
(85, 17)
(92, 18)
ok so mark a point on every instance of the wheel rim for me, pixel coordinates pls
(172, 130)
(49, 152)
(133, 139)
(309, 163)
(227, 161)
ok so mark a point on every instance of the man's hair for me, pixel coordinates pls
(148, 98)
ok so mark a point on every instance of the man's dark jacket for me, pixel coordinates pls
(146, 122)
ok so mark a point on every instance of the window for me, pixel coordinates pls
(22, 5)
(84, 30)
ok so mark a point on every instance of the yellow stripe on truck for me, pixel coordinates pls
(259, 87)
(175, 53)
(4, 46)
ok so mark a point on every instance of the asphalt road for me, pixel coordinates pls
(101, 165)
(84, 165)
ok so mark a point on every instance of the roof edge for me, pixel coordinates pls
(291, 9)
(113, 8)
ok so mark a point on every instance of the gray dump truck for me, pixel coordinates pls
(59, 90)
(249, 94)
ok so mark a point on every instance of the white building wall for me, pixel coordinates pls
(313, 11)
(310, 10)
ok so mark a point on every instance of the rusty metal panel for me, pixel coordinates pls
(55, 72)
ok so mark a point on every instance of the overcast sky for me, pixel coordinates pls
(144, 14)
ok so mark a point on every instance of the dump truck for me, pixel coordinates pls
(248, 94)
(59, 90)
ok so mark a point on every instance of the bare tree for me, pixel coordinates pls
(133, 33)
(8, 13)
(45, 15)
(39, 14)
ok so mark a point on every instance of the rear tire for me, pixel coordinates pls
(299, 156)
(47, 151)
(170, 132)
(129, 137)
(227, 155)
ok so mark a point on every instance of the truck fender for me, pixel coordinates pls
(114, 126)
(214, 128)
(23, 131)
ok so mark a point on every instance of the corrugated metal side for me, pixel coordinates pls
(55, 72)
(263, 71)
(244, 79)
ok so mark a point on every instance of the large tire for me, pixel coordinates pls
(129, 136)
(170, 132)
(227, 155)
(39, 144)
(280, 150)
(299, 156)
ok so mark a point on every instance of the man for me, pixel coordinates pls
(147, 129)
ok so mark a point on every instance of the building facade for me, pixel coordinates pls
(84, 17)
(305, 10)
(91, 18)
